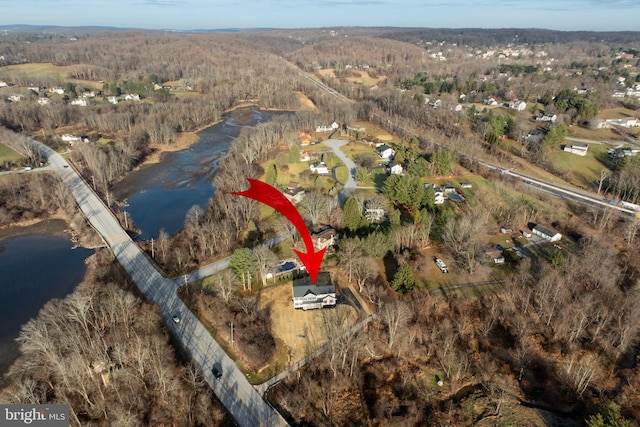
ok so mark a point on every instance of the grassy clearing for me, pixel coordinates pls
(48, 70)
(352, 149)
(582, 171)
(594, 134)
(342, 174)
(7, 155)
(616, 113)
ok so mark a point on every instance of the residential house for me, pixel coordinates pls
(518, 105)
(309, 156)
(324, 128)
(305, 156)
(34, 88)
(70, 139)
(57, 90)
(626, 122)
(466, 185)
(395, 168)
(79, 101)
(132, 97)
(89, 94)
(310, 297)
(294, 192)
(374, 213)
(112, 100)
(385, 151)
(546, 233)
(3, 83)
(14, 98)
(489, 101)
(320, 168)
(579, 149)
(325, 238)
(44, 101)
(547, 118)
(439, 196)
(448, 189)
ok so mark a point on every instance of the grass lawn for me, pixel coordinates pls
(7, 155)
(616, 113)
(594, 134)
(582, 171)
(342, 174)
(352, 149)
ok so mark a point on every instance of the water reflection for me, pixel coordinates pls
(35, 268)
(160, 195)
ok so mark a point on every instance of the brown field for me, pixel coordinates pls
(616, 113)
(48, 69)
(301, 331)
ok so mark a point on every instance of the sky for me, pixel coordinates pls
(570, 15)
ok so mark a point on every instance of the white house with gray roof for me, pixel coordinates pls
(308, 296)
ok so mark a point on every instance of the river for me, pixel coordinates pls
(159, 195)
(37, 264)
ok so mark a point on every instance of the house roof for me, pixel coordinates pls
(300, 291)
(545, 230)
(383, 148)
(326, 234)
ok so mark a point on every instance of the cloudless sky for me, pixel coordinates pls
(597, 15)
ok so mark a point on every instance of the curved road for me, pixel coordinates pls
(234, 391)
(350, 185)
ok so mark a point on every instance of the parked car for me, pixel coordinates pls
(176, 318)
(216, 370)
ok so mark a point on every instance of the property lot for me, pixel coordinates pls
(301, 331)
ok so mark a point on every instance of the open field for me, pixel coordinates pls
(581, 171)
(46, 71)
(7, 155)
(594, 134)
(616, 113)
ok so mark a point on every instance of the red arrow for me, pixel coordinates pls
(271, 196)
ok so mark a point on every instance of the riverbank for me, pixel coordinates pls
(183, 141)
(55, 226)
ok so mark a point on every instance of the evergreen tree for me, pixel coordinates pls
(403, 281)
(352, 215)
(243, 265)
(294, 154)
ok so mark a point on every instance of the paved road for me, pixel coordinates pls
(234, 391)
(221, 264)
(350, 185)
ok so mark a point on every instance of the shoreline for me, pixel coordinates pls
(52, 226)
(185, 140)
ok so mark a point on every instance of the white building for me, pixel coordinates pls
(385, 151)
(579, 149)
(80, 101)
(546, 233)
(518, 105)
(308, 296)
(320, 168)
